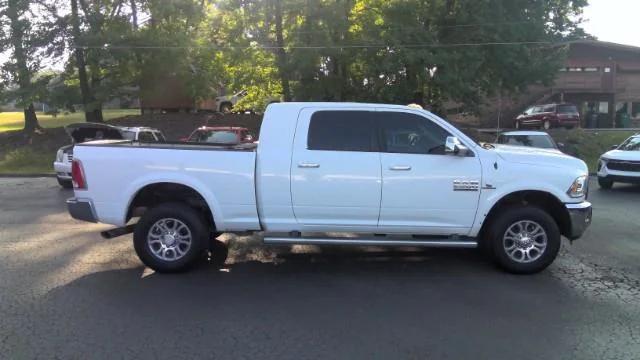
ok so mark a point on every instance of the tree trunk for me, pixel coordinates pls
(134, 14)
(30, 120)
(281, 54)
(88, 100)
(24, 76)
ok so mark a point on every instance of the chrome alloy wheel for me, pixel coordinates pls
(524, 241)
(169, 239)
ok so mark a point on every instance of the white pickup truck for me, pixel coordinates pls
(336, 173)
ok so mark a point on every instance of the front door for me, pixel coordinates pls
(335, 170)
(424, 190)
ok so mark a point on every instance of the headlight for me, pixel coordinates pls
(578, 187)
(602, 163)
(59, 155)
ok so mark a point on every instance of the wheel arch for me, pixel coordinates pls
(539, 198)
(152, 194)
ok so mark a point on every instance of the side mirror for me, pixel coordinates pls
(248, 138)
(453, 146)
(613, 147)
(561, 146)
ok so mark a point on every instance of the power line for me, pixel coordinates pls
(308, 47)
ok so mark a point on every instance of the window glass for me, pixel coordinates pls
(549, 108)
(217, 137)
(342, 131)
(146, 137)
(538, 141)
(529, 111)
(631, 144)
(635, 109)
(411, 134)
(160, 137)
(536, 109)
(567, 109)
(128, 135)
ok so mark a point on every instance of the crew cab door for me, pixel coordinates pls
(424, 190)
(335, 169)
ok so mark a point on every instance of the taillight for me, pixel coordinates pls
(77, 175)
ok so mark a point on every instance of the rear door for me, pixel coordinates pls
(335, 169)
(423, 189)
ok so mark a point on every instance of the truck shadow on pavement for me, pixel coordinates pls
(344, 303)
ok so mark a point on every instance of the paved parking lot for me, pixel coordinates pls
(66, 293)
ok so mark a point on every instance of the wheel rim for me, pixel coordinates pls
(169, 239)
(525, 241)
(547, 125)
(517, 124)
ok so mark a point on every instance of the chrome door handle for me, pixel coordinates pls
(308, 165)
(400, 168)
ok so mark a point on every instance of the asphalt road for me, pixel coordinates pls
(66, 293)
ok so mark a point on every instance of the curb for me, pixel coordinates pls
(27, 175)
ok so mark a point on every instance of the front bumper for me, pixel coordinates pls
(580, 215)
(63, 170)
(82, 209)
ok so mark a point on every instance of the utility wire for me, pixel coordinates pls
(309, 47)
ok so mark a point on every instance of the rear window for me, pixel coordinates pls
(216, 137)
(342, 131)
(537, 141)
(567, 109)
(549, 108)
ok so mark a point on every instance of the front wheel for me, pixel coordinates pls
(170, 237)
(546, 125)
(524, 239)
(604, 183)
(518, 126)
(65, 183)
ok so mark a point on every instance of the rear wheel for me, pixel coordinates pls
(524, 239)
(170, 237)
(65, 183)
(605, 183)
(226, 108)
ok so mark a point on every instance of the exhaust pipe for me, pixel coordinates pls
(114, 233)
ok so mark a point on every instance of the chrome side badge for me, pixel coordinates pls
(466, 185)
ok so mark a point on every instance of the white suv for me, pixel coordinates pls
(620, 164)
(83, 132)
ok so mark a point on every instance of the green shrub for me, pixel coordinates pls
(27, 161)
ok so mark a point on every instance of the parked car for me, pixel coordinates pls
(536, 139)
(83, 132)
(227, 135)
(346, 170)
(225, 104)
(620, 164)
(549, 116)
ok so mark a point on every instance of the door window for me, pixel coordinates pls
(342, 131)
(146, 137)
(411, 134)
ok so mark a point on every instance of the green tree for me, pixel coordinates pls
(26, 37)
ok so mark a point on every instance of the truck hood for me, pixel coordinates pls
(82, 132)
(632, 155)
(537, 156)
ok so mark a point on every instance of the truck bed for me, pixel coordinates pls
(223, 174)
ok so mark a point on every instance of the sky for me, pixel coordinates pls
(613, 20)
(608, 20)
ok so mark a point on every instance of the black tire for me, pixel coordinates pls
(509, 216)
(218, 252)
(226, 108)
(605, 184)
(190, 218)
(67, 184)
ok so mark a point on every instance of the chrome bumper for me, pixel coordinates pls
(81, 209)
(580, 215)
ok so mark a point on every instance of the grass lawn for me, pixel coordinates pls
(15, 120)
(27, 161)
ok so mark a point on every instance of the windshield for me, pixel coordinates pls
(631, 144)
(567, 109)
(215, 137)
(538, 141)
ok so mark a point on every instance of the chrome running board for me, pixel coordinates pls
(371, 241)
